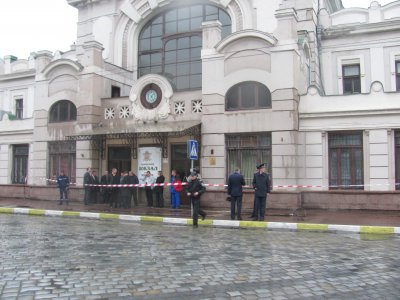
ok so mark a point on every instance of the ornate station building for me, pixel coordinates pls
(308, 87)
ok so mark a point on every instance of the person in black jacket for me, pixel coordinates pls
(115, 179)
(133, 179)
(261, 187)
(87, 180)
(194, 189)
(159, 190)
(125, 192)
(63, 185)
(235, 190)
(105, 191)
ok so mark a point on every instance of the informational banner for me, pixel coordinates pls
(149, 159)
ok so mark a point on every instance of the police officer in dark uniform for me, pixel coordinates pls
(194, 190)
(235, 190)
(261, 185)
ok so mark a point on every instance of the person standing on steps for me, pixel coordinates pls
(159, 190)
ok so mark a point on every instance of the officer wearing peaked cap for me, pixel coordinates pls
(261, 185)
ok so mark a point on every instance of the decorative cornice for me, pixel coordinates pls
(59, 62)
(248, 33)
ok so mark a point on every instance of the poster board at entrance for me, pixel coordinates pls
(149, 159)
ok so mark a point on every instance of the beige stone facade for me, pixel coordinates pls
(252, 80)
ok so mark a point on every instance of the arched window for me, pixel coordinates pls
(170, 44)
(63, 111)
(248, 95)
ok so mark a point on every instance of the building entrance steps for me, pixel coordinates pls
(315, 216)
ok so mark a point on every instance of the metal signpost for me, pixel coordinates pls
(193, 154)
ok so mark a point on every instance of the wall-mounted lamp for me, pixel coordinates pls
(212, 151)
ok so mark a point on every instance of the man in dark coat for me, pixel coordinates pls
(125, 192)
(133, 179)
(87, 179)
(105, 191)
(194, 190)
(261, 187)
(95, 189)
(159, 190)
(115, 179)
(63, 185)
(235, 190)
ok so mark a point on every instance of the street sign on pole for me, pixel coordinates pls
(193, 150)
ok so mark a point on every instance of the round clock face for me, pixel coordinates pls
(151, 96)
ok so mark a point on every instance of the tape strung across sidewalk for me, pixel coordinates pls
(208, 222)
(290, 186)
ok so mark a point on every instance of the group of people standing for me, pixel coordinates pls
(262, 186)
(121, 197)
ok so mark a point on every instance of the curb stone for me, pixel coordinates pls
(214, 223)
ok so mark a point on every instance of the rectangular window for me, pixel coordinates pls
(115, 91)
(20, 164)
(398, 75)
(346, 169)
(19, 109)
(62, 157)
(397, 158)
(245, 151)
(351, 79)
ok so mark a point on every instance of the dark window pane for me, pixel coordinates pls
(195, 23)
(170, 45)
(146, 32)
(196, 11)
(170, 57)
(144, 71)
(156, 59)
(183, 43)
(158, 20)
(248, 95)
(195, 68)
(183, 69)
(195, 53)
(183, 26)
(195, 81)
(224, 18)
(145, 44)
(156, 43)
(183, 13)
(156, 30)
(347, 86)
(156, 70)
(195, 41)
(226, 30)
(264, 97)
(170, 70)
(356, 85)
(144, 60)
(182, 83)
(170, 15)
(183, 55)
(170, 28)
(211, 10)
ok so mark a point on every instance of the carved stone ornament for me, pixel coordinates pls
(145, 112)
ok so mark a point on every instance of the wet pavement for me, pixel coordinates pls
(318, 216)
(73, 258)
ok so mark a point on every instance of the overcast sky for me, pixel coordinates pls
(31, 25)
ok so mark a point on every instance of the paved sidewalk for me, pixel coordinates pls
(341, 217)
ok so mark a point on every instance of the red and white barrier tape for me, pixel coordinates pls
(294, 186)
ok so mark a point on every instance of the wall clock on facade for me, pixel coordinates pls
(151, 96)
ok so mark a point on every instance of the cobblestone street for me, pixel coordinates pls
(72, 258)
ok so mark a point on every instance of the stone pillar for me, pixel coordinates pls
(378, 160)
(211, 36)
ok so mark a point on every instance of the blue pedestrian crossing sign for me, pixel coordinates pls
(193, 150)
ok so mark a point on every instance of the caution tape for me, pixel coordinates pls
(293, 186)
